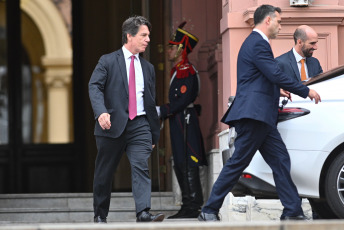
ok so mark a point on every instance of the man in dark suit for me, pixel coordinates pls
(299, 64)
(292, 63)
(122, 94)
(254, 115)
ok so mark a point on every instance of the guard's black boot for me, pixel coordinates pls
(190, 213)
(183, 182)
(195, 195)
(195, 189)
(99, 220)
(184, 187)
(181, 212)
(192, 196)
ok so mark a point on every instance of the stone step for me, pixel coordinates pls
(65, 216)
(74, 207)
(78, 200)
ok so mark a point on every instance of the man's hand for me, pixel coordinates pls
(284, 93)
(104, 121)
(314, 95)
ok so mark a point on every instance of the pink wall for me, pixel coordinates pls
(203, 18)
(325, 16)
(222, 26)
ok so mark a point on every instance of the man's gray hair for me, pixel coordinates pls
(131, 26)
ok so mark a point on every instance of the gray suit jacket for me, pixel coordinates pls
(108, 92)
(287, 63)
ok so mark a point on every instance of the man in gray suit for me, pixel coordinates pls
(306, 42)
(122, 94)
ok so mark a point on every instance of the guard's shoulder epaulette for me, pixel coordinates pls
(184, 70)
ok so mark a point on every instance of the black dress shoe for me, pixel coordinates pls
(99, 220)
(299, 217)
(181, 212)
(208, 217)
(145, 216)
(185, 213)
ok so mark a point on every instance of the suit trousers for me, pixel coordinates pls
(253, 135)
(136, 141)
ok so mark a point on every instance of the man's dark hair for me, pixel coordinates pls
(131, 26)
(263, 11)
(300, 33)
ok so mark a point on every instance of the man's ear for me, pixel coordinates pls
(268, 20)
(128, 37)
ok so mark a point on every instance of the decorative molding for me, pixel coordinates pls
(329, 15)
(57, 80)
(57, 42)
(208, 55)
(58, 71)
(56, 61)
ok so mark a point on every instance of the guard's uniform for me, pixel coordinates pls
(183, 91)
(184, 87)
(188, 153)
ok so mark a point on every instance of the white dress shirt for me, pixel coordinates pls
(298, 58)
(139, 82)
(262, 34)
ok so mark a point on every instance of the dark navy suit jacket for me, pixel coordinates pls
(259, 80)
(287, 63)
(108, 91)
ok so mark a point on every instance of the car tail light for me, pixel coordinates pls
(291, 113)
(247, 176)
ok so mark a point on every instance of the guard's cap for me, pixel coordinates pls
(181, 36)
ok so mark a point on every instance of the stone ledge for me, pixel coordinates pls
(188, 225)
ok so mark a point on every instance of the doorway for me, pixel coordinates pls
(37, 148)
(46, 122)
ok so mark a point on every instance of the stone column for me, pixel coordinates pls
(58, 74)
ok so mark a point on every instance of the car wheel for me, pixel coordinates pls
(321, 210)
(334, 186)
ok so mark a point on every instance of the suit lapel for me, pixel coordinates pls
(144, 73)
(309, 67)
(122, 67)
(293, 64)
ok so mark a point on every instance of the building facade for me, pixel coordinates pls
(48, 49)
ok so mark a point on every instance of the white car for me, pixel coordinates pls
(314, 136)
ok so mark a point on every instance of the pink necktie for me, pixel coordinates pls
(132, 90)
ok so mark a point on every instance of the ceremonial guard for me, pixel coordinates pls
(186, 138)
